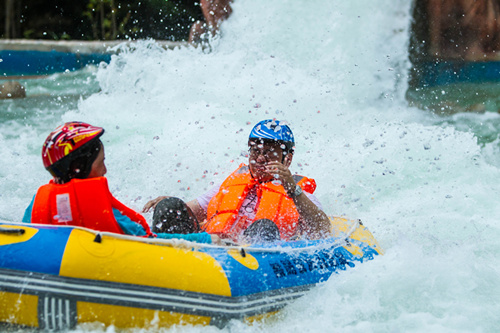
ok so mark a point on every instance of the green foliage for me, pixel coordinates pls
(28, 33)
(105, 19)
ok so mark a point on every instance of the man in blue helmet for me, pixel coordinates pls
(261, 201)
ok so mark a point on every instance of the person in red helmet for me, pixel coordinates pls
(78, 194)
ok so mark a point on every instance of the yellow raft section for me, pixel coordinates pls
(356, 231)
(126, 261)
(19, 309)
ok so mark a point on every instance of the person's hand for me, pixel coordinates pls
(281, 173)
(151, 204)
(216, 240)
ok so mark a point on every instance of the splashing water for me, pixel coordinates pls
(336, 71)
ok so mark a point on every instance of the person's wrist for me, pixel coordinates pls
(295, 192)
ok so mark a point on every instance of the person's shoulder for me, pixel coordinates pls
(243, 168)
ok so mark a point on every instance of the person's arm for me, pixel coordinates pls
(27, 212)
(198, 211)
(151, 204)
(128, 226)
(312, 221)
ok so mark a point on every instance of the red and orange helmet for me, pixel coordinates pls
(66, 143)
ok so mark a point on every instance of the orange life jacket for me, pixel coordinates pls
(82, 202)
(273, 204)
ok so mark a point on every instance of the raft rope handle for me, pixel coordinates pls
(98, 238)
(11, 231)
(190, 245)
(186, 244)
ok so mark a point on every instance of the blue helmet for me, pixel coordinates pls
(273, 130)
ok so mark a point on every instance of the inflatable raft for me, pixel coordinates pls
(57, 277)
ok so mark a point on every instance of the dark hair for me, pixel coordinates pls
(78, 164)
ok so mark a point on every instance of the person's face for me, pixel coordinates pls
(259, 155)
(98, 167)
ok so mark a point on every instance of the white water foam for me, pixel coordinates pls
(177, 121)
